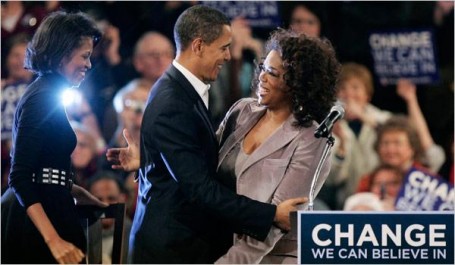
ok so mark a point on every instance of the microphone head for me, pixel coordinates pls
(339, 109)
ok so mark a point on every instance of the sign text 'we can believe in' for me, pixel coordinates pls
(376, 238)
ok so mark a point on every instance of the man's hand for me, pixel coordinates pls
(283, 210)
(126, 158)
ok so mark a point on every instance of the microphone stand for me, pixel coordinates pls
(327, 147)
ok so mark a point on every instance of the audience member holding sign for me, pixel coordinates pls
(353, 154)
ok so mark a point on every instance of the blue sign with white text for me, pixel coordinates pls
(422, 191)
(406, 54)
(376, 237)
(11, 95)
(258, 13)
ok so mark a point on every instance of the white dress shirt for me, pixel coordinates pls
(201, 88)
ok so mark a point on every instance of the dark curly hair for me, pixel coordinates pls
(311, 73)
(58, 36)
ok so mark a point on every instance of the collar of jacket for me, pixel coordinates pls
(246, 120)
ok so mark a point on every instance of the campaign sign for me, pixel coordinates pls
(258, 13)
(10, 97)
(349, 237)
(404, 54)
(422, 191)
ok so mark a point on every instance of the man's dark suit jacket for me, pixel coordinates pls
(183, 214)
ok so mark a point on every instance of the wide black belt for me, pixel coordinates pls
(54, 176)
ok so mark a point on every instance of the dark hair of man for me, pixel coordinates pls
(198, 22)
(57, 37)
(311, 73)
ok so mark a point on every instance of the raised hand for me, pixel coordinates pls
(126, 158)
(407, 90)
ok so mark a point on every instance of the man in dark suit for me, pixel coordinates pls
(183, 214)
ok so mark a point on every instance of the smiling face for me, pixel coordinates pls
(75, 66)
(272, 90)
(353, 89)
(213, 56)
(395, 149)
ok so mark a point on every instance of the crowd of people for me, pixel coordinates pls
(261, 109)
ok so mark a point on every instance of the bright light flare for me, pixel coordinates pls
(71, 96)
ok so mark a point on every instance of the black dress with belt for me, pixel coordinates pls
(42, 138)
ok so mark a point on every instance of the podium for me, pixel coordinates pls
(90, 217)
(354, 237)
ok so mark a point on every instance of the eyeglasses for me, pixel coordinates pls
(269, 70)
(136, 105)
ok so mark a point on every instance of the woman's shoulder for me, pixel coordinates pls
(42, 95)
(246, 102)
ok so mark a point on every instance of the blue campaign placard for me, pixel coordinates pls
(263, 14)
(422, 191)
(404, 54)
(341, 237)
(11, 95)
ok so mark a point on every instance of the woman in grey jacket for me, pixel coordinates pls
(268, 149)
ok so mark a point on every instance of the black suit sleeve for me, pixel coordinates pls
(177, 134)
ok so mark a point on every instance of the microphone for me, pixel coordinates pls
(324, 129)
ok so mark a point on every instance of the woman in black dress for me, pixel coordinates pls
(39, 219)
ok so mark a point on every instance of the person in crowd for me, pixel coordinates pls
(19, 18)
(110, 70)
(363, 201)
(386, 182)
(13, 85)
(354, 153)
(434, 156)
(14, 65)
(397, 145)
(108, 188)
(153, 54)
(269, 152)
(305, 20)
(80, 111)
(129, 103)
(179, 158)
(84, 157)
(409, 144)
(39, 219)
